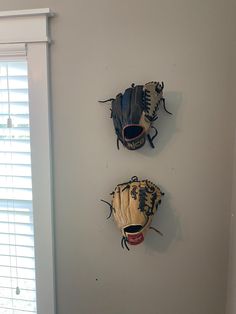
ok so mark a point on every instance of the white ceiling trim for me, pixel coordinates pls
(24, 26)
(44, 11)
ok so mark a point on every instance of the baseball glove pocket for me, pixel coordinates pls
(133, 229)
(133, 131)
(133, 234)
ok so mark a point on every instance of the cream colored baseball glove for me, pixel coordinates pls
(133, 206)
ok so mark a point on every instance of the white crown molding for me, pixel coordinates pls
(44, 11)
(25, 26)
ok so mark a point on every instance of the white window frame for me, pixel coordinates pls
(31, 27)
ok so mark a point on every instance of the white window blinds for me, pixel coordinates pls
(12, 50)
(17, 264)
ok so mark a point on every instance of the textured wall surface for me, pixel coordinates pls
(100, 48)
(231, 297)
(231, 300)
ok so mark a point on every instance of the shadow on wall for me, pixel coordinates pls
(165, 124)
(167, 221)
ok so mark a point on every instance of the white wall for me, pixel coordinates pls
(100, 48)
(231, 300)
(231, 297)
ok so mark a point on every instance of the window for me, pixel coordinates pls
(26, 241)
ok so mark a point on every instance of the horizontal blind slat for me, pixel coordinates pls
(16, 194)
(8, 246)
(12, 89)
(24, 252)
(20, 212)
(5, 75)
(16, 182)
(15, 158)
(19, 256)
(6, 287)
(14, 297)
(14, 170)
(16, 311)
(16, 224)
(11, 50)
(13, 217)
(14, 266)
(12, 282)
(18, 233)
(17, 205)
(25, 220)
(17, 278)
(17, 272)
(21, 307)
